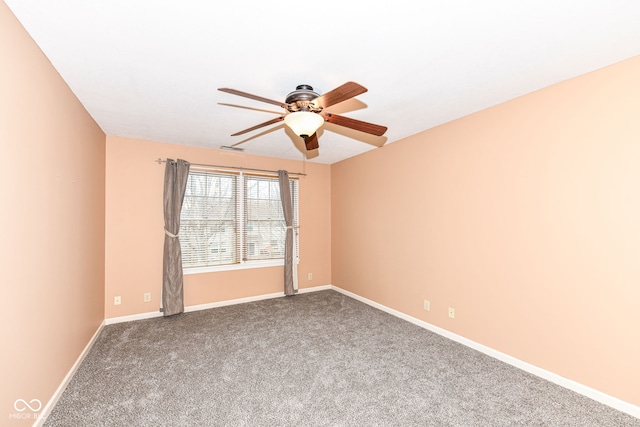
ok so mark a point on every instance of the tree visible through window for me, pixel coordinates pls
(233, 218)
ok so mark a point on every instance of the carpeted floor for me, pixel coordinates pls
(316, 359)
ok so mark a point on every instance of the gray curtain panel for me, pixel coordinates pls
(290, 270)
(175, 184)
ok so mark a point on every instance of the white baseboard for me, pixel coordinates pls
(251, 299)
(582, 389)
(232, 302)
(42, 417)
(131, 318)
(151, 315)
(315, 289)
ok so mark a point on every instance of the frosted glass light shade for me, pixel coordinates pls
(304, 122)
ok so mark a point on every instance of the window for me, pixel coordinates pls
(233, 220)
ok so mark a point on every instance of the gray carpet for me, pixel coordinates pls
(316, 359)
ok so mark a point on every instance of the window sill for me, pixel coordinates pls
(232, 267)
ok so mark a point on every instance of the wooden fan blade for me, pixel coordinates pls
(311, 142)
(267, 123)
(339, 94)
(251, 96)
(355, 124)
(250, 108)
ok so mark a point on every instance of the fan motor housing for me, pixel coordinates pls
(301, 99)
(302, 93)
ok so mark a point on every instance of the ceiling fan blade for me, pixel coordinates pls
(267, 123)
(339, 94)
(249, 108)
(311, 142)
(251, 96)
(355, 124)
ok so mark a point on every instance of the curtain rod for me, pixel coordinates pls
(159, 161)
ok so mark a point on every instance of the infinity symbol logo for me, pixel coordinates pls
(21, 405)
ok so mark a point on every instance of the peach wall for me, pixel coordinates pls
(135, 227)
(523, 217)
(52, 245)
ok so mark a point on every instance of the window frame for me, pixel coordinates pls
(241, 220)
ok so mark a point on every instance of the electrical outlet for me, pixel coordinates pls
(310, 276)
(147, 297)
(427, 305)
(117, 300)
(452, 312)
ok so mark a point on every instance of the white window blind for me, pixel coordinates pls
(265, 229)
(209, 219)
(233, 218)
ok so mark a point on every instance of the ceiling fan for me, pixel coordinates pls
(304, 111)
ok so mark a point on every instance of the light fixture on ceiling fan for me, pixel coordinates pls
(305, 111)
(304, 120)
(303, 123)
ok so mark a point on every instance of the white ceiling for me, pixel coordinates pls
(150, 69)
